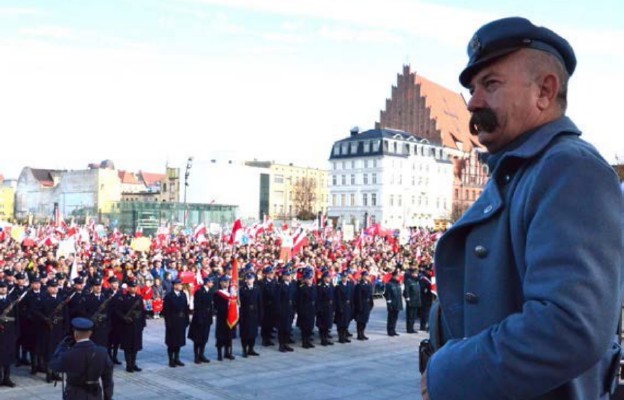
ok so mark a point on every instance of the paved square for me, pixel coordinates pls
(381, 368)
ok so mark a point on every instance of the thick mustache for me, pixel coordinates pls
(483, 120)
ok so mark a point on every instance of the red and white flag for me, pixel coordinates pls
(237, 226)
(232, 315)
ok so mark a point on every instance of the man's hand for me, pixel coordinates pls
(423, 386)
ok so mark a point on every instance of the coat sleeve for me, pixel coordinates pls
(572, 285)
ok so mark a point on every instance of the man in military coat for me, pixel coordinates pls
(326, 307)
(411, 293)
(131, 313)
(96, 307)
(250, 314)
(9, 330)
(176, 313)
(394, 302)
(344, 307)
(286, 310)
(268, 288)
(203, 311)
(363, 304)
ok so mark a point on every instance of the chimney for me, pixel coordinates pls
(355, 130)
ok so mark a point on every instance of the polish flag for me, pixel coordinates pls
(434, 286)
(200, 230)
(300, 240)
(237, 226)
(232, 315)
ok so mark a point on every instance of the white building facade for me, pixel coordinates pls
(389, 177)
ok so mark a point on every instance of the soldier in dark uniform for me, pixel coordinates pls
(411, 292)
(394, 302)
(85, 363)
(250, 314)
(268, 288)
(114, 334)
(344, 307)
(426, 297)
(176, 313)
(30, 325)
(203, 310)
(285, 311)
(54, 318)
(223, 332)
(20, 349)
(9, 327)
(306, 309)
(96, 307)
(326, 307)
(363, 304)
(75, 305)
(130, 311)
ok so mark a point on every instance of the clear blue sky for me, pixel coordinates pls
(143, 82)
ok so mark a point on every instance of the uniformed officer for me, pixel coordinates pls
(75, 305)
(30, 324)
(9, 326)
(54, 318)
(96, 307)
(411, 292)
(306, 309)
(285, 310)
(426, 297)
(363, 304)
(21, 351)
(116, 323)
(326, 307)
(88, 367)
(223, 332)
(129, 308)
(268, 288)
(176, 313)
(344, 307)
(250, 314)
(394, 302)
(203, 310)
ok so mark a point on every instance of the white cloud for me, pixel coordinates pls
(48, 31)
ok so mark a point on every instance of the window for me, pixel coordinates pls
(376, 145)
(353, 164)
(366, 146)
(365, 163)
(353, 147)
(343, 179)
(437, 202)
(334, 180)
(457, 193)
(352, 179)
(394, 147)
(164, 188)
(365, 199)
(342, 165)
(391, 179)
(374, 178)
(413, 200)
(334, 165)
(400, 179)
(375, 163)
(474, 195)
(278, 179)
(336, 150)
(365, 179)
(342, 200)
(352, 199)
(373, 199)
(466, 197)
(345, 147)
(413, 180)
(400, 200)
(391, 200)
(333, 200)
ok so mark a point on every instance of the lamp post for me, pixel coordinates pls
(189, 164)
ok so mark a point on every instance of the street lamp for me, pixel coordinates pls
(189, 164)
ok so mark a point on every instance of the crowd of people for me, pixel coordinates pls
(248, 290)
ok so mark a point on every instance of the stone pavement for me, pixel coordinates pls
(381, 368)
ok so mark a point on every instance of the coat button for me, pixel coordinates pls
(471, 298)
(507, 178)
(480, 251)
(487, 209)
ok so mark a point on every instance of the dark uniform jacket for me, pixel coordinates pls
(363, 301)
(101, 306)
(30, 324)
(250, 311)
(86, 365)
(286, 296)
(9, 329)
(411, 292)
(326, 305)
(54, 322)
(176, 313)
(203, 311)
(394, 301)
(268, 291)
(306, 307)
(344, 304)
(131, 314)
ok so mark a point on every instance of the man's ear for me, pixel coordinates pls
(547, 91)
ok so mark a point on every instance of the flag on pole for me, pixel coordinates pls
(232, 315)
(73, 273)
(237, 226)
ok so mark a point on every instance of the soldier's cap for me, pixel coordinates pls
(78, 281)
(8, 272)
(52, 283)
(3, 284)
(308, 275)
(344, 274)
(325, 274)
(504, 36)
(35, 279)
(286, 272)
(249, 275)
(177, 281)
(96, 282)
(209, 279)
(20, 275)
(132, 283)
(113, 279)
(267, 270)
(59, 275)
(82, 324)
(224, 278)
(248, 267)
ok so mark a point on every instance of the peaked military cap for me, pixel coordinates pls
(504, 36)
(82, 324)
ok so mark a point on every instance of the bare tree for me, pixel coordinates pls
(303, 197)
(457, 211)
